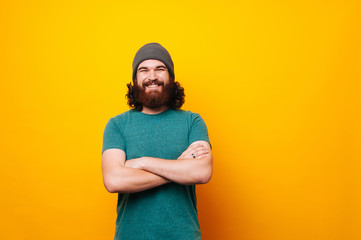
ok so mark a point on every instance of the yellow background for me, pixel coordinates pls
(277, 82)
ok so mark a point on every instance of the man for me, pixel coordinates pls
(155, 154)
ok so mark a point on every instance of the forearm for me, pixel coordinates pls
(130, 180)
(183, 171)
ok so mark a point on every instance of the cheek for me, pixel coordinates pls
(139, 82)
(165, 78)
(140, 78)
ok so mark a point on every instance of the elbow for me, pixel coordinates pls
(112, 186)
(203, 177)
(111, 190)
(205, 174)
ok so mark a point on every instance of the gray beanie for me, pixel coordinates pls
(153, 51)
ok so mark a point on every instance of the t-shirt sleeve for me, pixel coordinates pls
(198, 131)
(113, 137)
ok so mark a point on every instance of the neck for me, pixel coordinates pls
(147, 110)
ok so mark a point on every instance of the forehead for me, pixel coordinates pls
(151, 63)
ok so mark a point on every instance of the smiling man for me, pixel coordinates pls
(154, 154)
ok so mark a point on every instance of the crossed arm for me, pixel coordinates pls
(143, 173)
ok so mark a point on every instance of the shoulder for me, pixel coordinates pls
(121, 118)
(193, 119)
(117, 122)
(185, 113)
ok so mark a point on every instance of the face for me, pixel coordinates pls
(152, 75)
(153, 88)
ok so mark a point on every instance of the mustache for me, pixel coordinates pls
(150, 82)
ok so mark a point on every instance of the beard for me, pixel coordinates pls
(154, 99)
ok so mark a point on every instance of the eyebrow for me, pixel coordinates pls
(159, 66)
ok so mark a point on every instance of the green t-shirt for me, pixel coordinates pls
(168, 211)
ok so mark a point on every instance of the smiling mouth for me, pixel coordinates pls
(153, 85)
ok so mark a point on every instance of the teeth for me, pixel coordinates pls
(152, 85)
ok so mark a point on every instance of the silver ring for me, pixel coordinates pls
(194, 156)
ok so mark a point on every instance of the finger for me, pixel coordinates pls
(201, 149)
(197, 154)
(192, 146)
(197, 147)
(201, 154)
(189, 151)
(196, 143)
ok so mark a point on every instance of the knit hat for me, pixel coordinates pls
(153, 51)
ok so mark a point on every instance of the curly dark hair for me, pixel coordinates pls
(176, 101)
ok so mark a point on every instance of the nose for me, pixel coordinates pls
(152, 75)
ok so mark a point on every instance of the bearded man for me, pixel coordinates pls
(154, 154)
